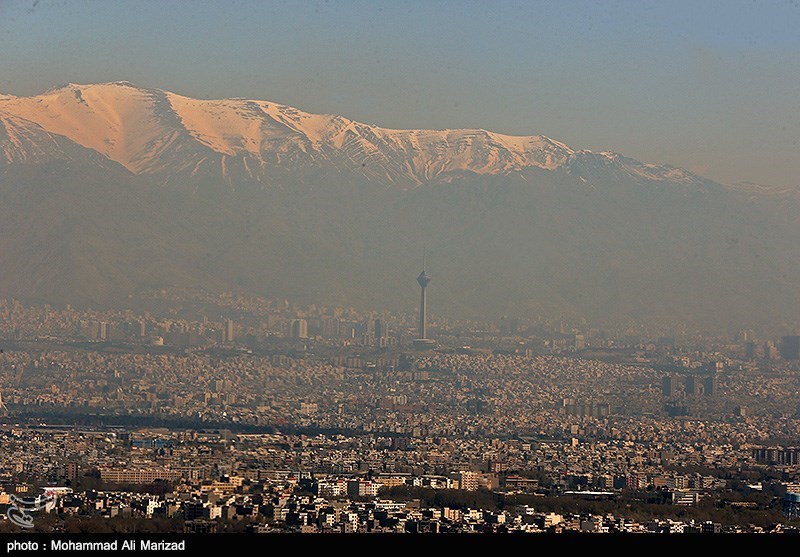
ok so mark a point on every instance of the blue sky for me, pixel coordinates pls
(713, 86)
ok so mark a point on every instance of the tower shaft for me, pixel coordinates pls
(423, 332)
(423, 280)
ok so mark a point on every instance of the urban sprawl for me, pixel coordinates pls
(237, 414)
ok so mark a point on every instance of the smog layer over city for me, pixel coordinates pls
(398, 267)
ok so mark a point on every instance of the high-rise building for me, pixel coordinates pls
(369, 327)
(692, 386)
(715, 366)
(710, 385)
(750, 350)
(466, 480)
(299, 328)
(330, 327)
(669, 385)
(229, 330)
(98, 330)
(790, 347)
(381, 330)
(72, 471)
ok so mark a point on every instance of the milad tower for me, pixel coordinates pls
(423, 341)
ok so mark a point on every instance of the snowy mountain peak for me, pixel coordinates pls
(150, 131)
(25, 142)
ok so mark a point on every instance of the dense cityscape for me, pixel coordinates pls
(239, 414)
(277, 276)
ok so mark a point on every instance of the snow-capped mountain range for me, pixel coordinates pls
(152, 132)
(111, 190)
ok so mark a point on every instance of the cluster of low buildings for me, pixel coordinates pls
(283, 506)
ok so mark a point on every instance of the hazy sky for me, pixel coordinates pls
(712, 86)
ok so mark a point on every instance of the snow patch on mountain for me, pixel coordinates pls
(23, 142)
